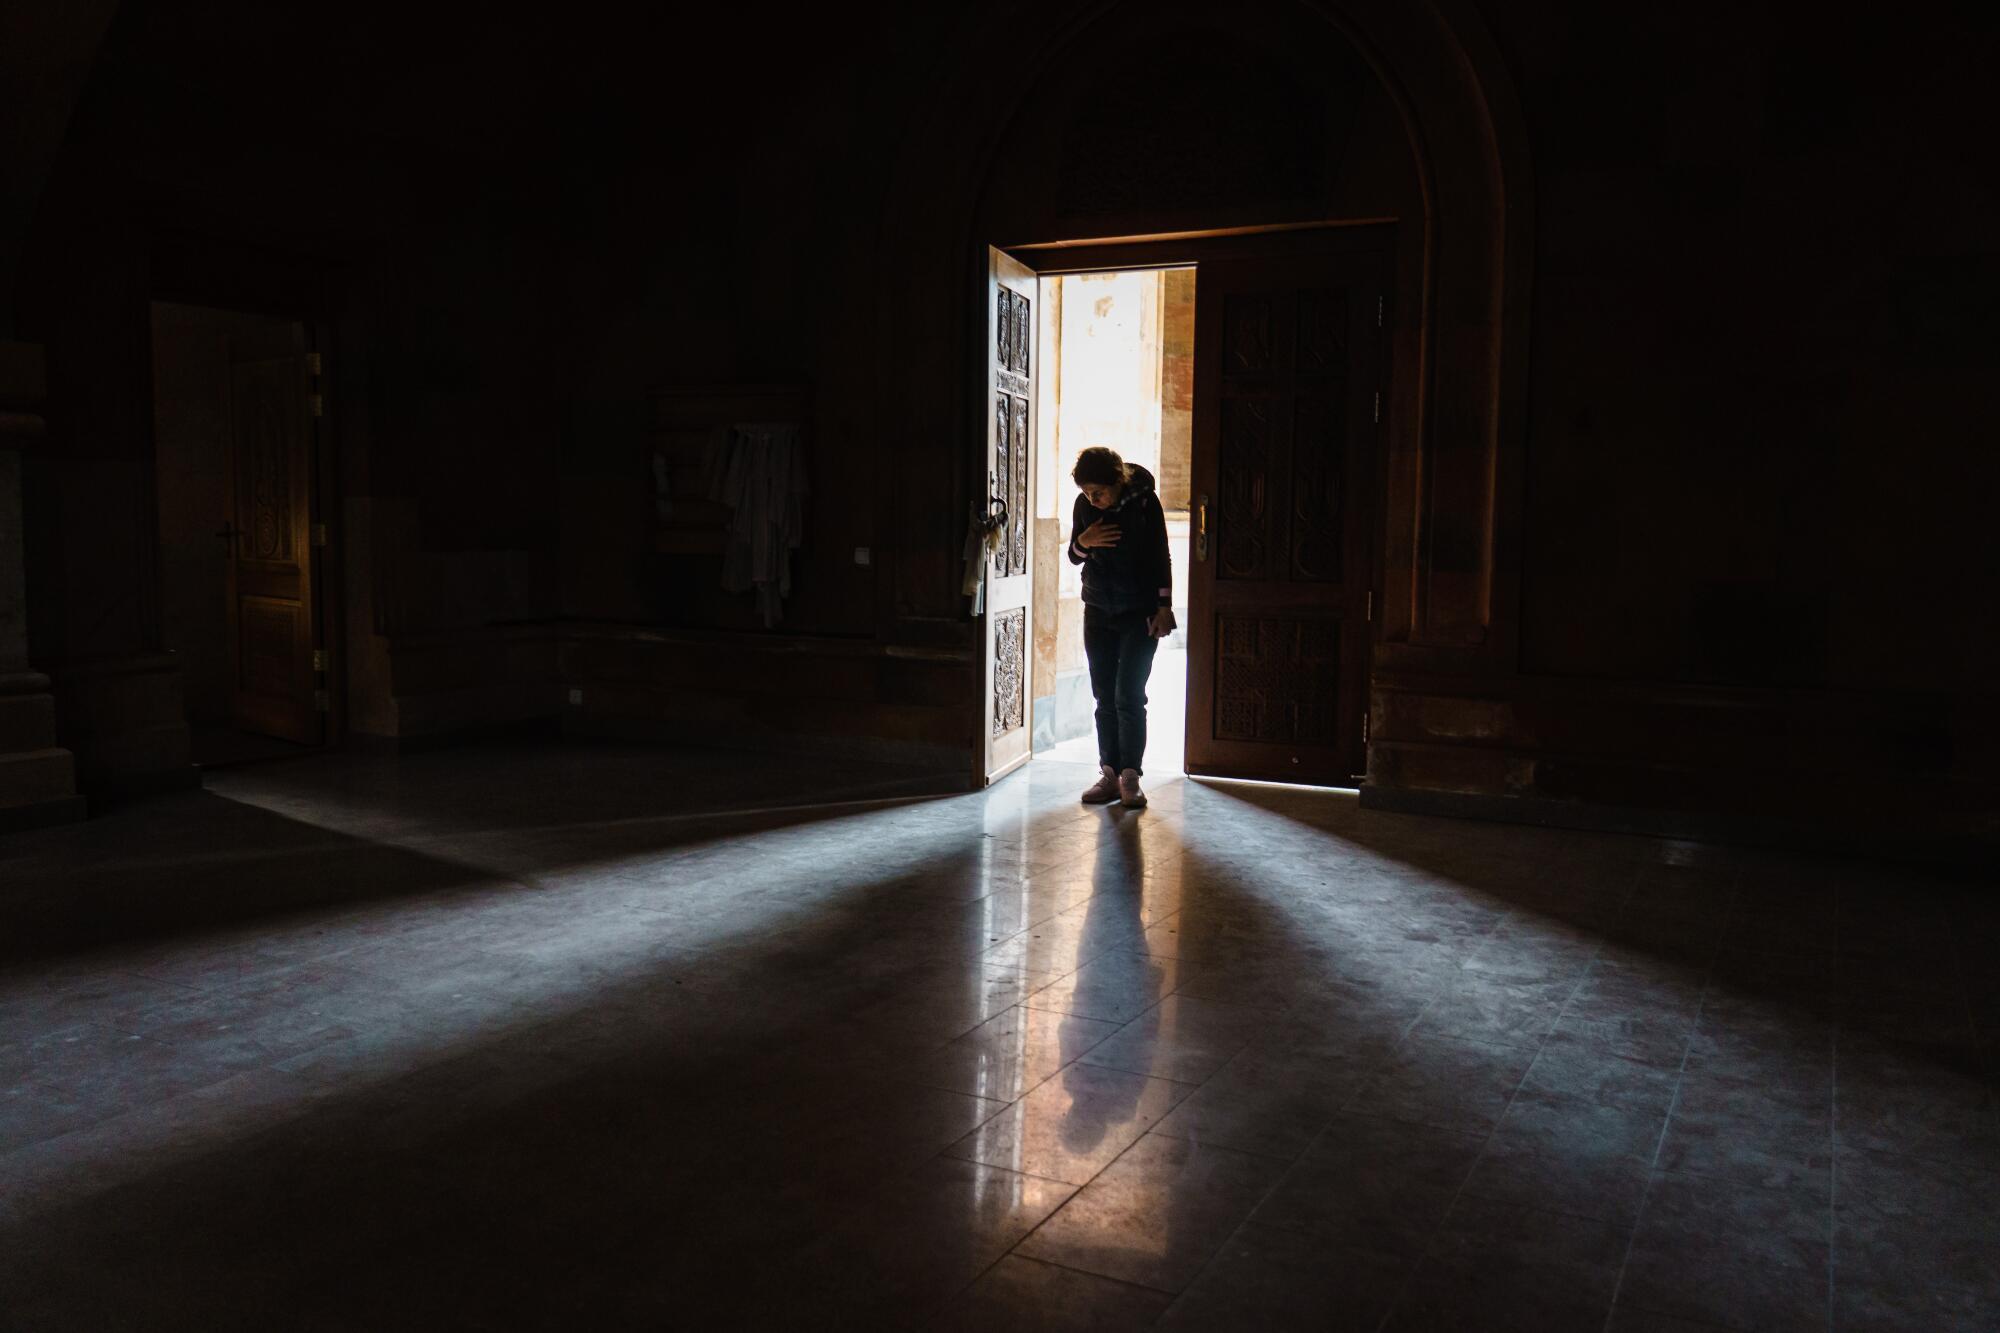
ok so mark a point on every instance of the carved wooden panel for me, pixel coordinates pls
(1010, 660)
(1322, 333)
(1017, 492)
(1003, 329)
(1013, 332)
(1013, 339)
(1023, 336)
(1319, 455)
(267, 639)
(1243, 545)
(1003, 471)
(1247, 334)
(267, 421)
(1277, 679)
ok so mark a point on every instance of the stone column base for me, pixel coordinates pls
(124, 719)
(37, 777)
(38, 813)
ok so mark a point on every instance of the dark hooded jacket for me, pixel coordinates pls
(1136, 574)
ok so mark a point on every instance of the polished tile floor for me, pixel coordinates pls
(612, 1038)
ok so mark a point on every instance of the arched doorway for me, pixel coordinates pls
(1148, 121)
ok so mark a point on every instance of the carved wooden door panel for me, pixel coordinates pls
(1011, 364)
(270, 567)
(1287, 369)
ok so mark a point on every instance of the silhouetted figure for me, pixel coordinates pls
(1128, 595)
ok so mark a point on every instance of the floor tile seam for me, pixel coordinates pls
(1653, 1171)
(1222, 1247)
(1065, 1067)
(944, 1155)
(1272, 1011)
(1022, 1004)
(1430, 1239)
(935, 1313)
(1347, 1107)
(1403, 1040)
(1085, 1272)
(1113, 946)
(1154, 1129)
(1099, 1175)
(1076, 1192)
(1029, 1003)
(1739, 1183)
(1053, 912)
(1968, 1178)
(1288, 1161)
(977, 1025)
(1121, 1022)
(1083, 1058)
(1423, 1013)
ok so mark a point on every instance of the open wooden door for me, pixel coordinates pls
(272, 405)
(1011, 321)
(1286, 403)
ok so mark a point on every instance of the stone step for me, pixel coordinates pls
(27, 722)
(29, 777)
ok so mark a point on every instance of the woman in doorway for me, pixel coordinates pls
(1120, 539)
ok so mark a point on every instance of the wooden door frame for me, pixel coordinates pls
(1019, 507)
(219, 273)
(1186, 249)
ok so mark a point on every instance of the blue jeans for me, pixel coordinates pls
(1121, 658)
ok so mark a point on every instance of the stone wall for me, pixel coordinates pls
(37, 776)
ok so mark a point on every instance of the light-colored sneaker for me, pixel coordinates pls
(1104, 790)
(1128, 789)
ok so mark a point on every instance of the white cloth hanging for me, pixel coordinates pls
(982, 539)
(763, 481)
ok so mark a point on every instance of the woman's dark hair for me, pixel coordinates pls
(1099, 466)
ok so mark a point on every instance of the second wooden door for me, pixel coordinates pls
(1286, 404)
(271, 415)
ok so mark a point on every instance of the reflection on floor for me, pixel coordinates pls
(485, 1040)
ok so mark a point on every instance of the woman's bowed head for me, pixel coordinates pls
(1128, 596)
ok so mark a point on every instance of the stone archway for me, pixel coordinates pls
(1451, 502)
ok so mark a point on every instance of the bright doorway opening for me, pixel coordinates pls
(1120, 346)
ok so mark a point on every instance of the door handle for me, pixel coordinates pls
(995, 500)
(229, 534)
(1201, 528)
